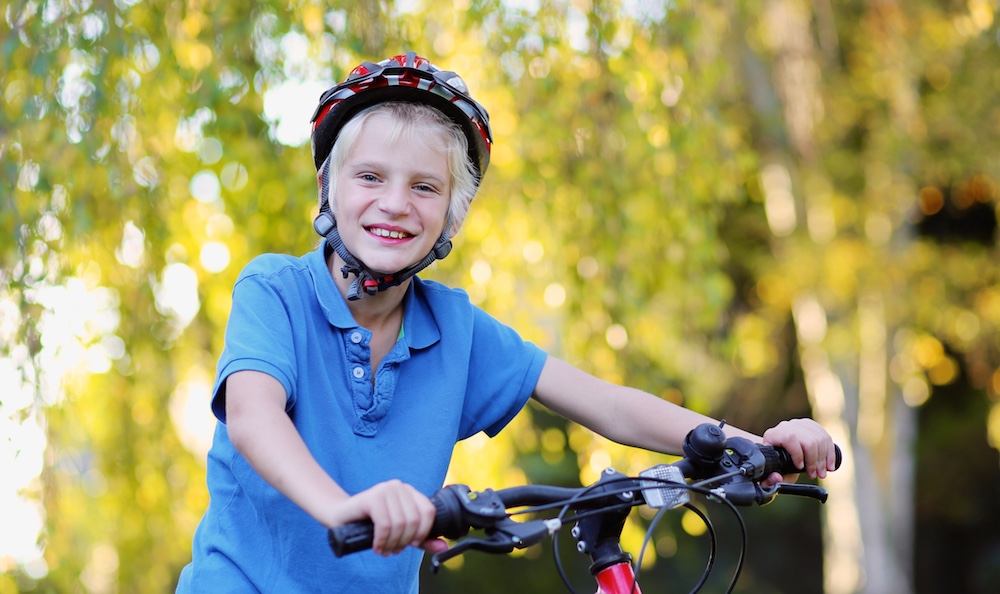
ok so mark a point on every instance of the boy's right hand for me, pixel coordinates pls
(402, 516)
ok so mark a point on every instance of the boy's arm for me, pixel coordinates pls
(263, 433)
(636, 418)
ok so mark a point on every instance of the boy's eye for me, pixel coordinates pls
(425, 188)
(368, 177)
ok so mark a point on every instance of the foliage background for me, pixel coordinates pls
(760, 209)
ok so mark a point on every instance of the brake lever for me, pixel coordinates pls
(505, 536)
(804, 490)
(744, 492)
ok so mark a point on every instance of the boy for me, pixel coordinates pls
(346, 380)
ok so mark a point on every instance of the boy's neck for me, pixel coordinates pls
(371, 311)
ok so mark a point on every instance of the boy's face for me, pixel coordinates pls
(391, 198)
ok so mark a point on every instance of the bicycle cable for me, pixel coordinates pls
(582, 496)
(585, 495)
(713, 539)
(743, 549)
(697, 488)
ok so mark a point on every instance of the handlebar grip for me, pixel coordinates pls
(358, 536)
(352, 537)
(777, 459)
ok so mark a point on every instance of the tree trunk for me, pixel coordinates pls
(868, 519)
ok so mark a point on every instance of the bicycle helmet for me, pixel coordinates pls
(405, 78)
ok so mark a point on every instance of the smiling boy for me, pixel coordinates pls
(346, 379)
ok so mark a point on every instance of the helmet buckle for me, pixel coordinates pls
(324, 223)
(442, 249)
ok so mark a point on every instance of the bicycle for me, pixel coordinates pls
(727, 471)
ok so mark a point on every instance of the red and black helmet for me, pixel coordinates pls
(409, 78)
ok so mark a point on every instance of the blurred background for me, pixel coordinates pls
(758, 208)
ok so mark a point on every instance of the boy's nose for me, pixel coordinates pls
(396, 199)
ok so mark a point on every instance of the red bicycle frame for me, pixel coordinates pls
(617, 579)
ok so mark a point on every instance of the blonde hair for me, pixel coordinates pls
(407, 119)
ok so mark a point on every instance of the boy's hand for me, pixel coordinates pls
(402, 516)
(809, 445)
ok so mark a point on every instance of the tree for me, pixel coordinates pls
(757, 209)
(860, 151)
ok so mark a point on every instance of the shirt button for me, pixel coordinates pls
(356, 337)
(359, 372)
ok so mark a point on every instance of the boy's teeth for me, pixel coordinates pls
(387, 233)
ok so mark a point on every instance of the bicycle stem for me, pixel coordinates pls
(599, 536)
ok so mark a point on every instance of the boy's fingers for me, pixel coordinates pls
(402, 516)
(434, 545)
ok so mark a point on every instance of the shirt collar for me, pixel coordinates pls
(420, 328)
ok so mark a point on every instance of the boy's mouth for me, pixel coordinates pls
(389, 234)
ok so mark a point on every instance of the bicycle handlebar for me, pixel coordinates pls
(734, 467)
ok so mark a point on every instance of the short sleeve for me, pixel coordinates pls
(258, 336)
(503, 371)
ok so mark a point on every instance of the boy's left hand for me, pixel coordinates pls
(809, 445)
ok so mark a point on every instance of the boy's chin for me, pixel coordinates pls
(387, 268)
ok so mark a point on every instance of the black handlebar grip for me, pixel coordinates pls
(358, 536)
(777, 459)
(352, 537)
(449, 521)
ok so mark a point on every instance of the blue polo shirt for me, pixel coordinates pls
(455, 371)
